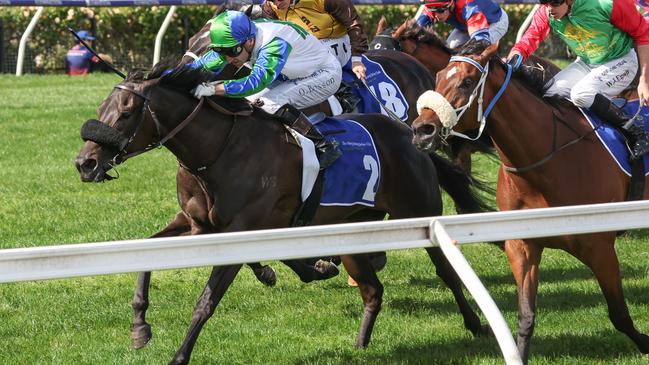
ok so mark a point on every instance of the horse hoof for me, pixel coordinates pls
(140, 336)
(643, 344)
(351, 282)
(326, 269)
(266, 275)
(484, 331)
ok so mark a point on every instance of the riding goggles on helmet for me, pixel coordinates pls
(552, 2)
(437, 6)
(229, 51)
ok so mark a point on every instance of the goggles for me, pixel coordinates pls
(440, 9)
(229, 51)
(552, 2)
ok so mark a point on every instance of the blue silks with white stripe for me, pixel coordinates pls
(385, 89)
(354, 177)
(613, 140)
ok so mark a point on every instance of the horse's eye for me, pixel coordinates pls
(125, 115)
(466, 83)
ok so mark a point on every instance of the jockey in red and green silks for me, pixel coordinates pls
(290, 70)
(602, 33)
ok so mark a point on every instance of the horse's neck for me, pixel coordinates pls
(204, 135)
(521, 125)
(432, 56)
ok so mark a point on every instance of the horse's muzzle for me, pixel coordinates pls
(426, 138)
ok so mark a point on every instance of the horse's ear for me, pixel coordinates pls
(488, 53)
(382, 24)
(397, 33)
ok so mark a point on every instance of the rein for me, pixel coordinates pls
(555, 150)
(122, 156)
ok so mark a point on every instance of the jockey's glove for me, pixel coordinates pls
(515, 60)
(206, 89)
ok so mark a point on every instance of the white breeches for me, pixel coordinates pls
(581, 82)
(303, 92)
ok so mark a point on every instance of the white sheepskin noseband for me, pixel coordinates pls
(438, 103)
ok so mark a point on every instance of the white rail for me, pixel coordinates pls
(232, 248)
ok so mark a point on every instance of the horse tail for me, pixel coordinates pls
(462, 187)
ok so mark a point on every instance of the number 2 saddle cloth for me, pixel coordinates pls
(354, 177)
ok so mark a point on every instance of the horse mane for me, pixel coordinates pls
(533, 74)
(425, 35)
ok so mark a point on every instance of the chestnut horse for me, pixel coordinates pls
(142, 113)
(550, 157)
(432, 52)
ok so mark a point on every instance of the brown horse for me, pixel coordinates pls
(142, 113)
(558, 160)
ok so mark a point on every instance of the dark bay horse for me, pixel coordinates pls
(264, 192)
(526, 130)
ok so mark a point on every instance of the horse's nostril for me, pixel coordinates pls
(88, 165)
(426, 129)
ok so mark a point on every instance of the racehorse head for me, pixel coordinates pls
(452, 107)
(129, 121)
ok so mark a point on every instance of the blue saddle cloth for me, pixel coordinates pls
(354, 177)
(612, 138)
(382, 86)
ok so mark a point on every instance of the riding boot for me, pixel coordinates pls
(607, 111)
(327, 152)
(347, 98)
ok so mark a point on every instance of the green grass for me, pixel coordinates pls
(87, 320)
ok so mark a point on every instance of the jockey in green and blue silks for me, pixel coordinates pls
(289, 65)
(290, 70)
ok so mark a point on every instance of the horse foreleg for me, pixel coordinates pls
(360, 269)
(524, 260)
(140, 329)
(603, 261)
(220, 280)
(450, 278)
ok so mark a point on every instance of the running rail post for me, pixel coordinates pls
(498, 325)
(23, 41)
(526, 23)
(161, 33)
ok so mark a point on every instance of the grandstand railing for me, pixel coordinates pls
(447, 232)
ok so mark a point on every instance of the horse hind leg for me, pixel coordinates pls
(360, 269)
(140, 329)
(603, 261)
(219, 281)
(452, 281)
(309, 270)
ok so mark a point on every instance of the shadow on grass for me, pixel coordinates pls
(600, 347)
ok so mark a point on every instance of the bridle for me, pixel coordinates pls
(123, 155)
(478, 93)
